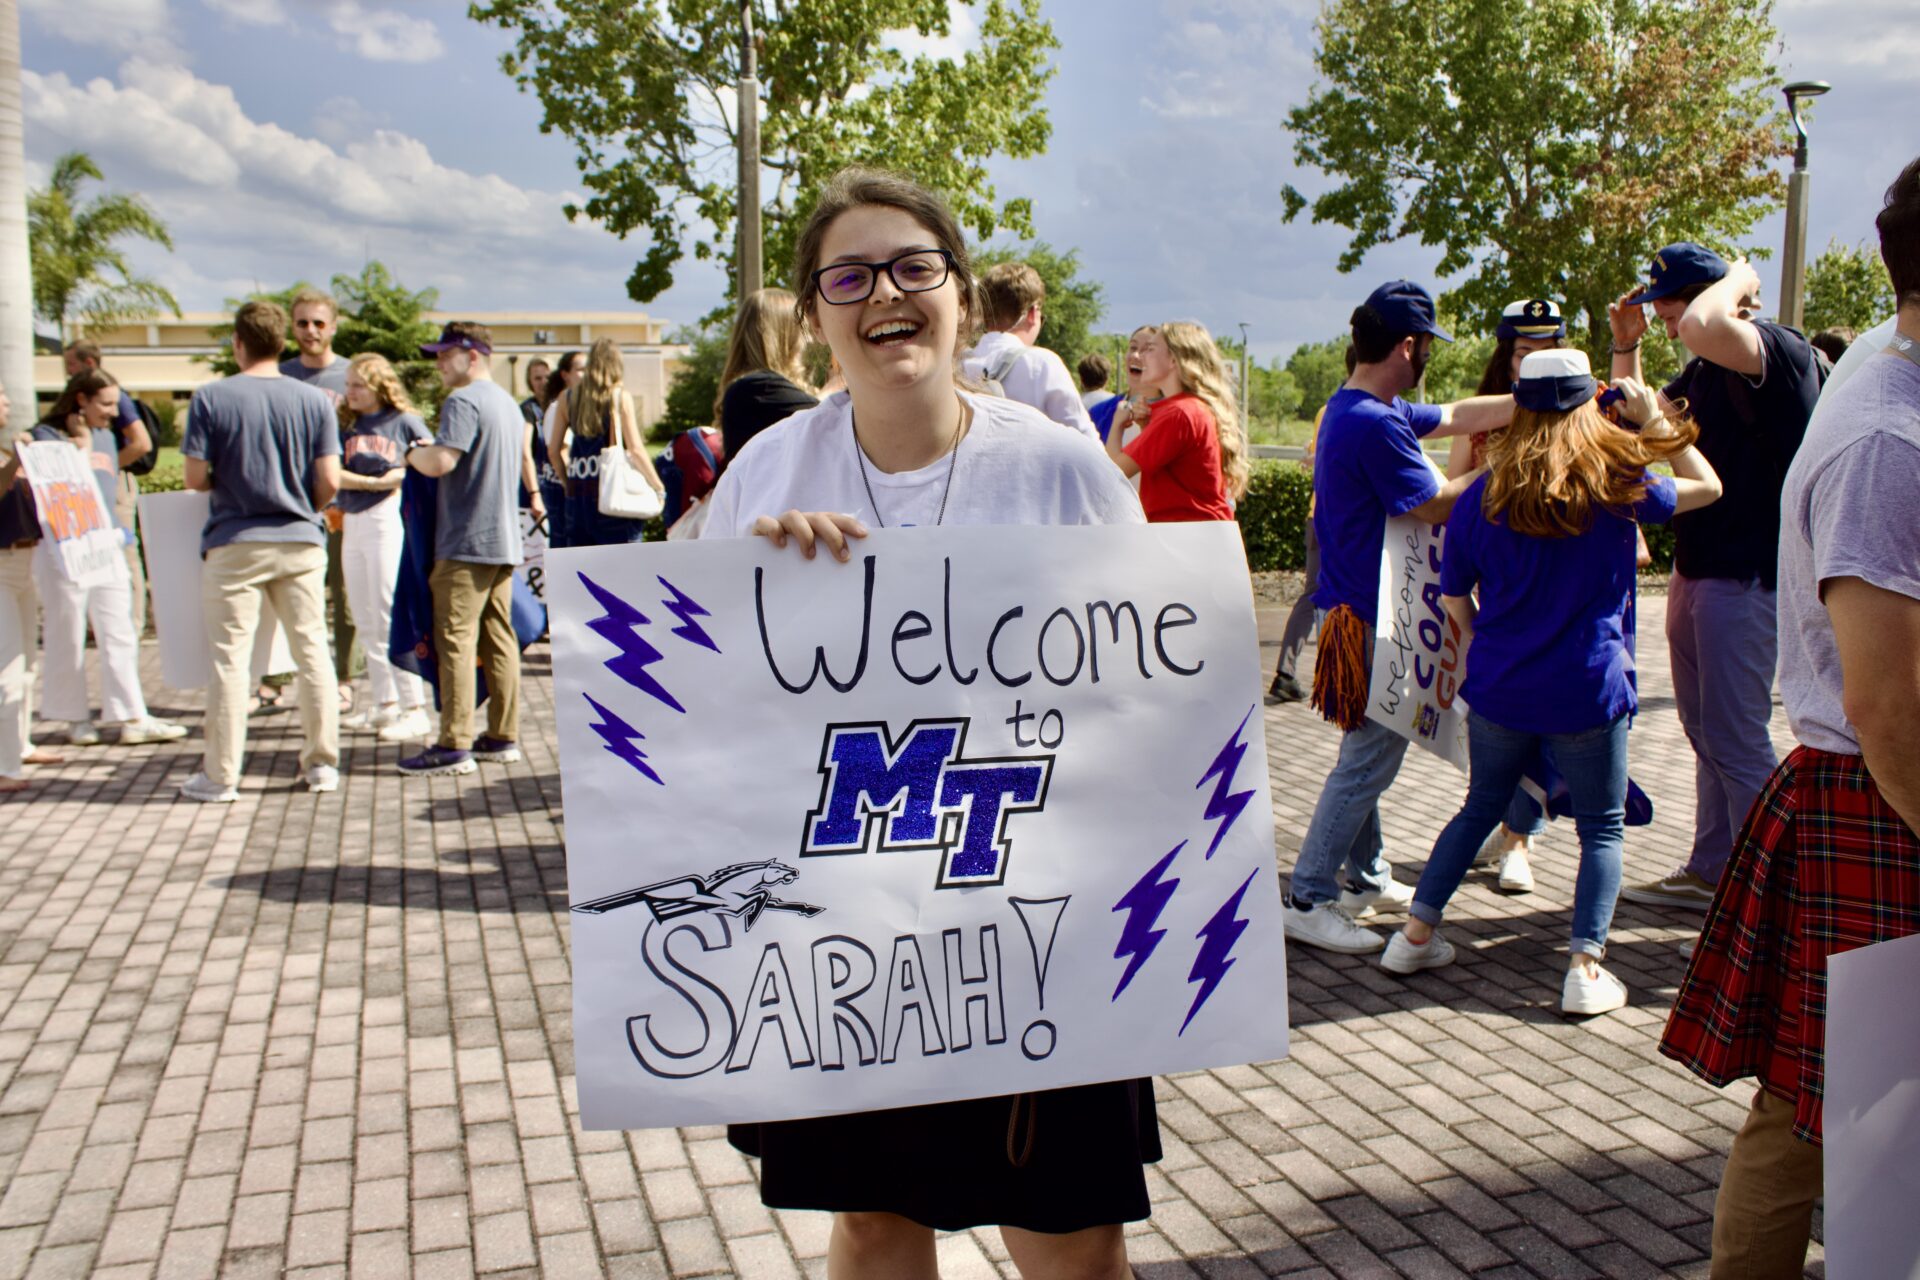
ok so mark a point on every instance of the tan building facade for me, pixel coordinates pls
(166, 358)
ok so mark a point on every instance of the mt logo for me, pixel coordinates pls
(880, 794)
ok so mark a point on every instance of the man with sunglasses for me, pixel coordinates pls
(1012, 306)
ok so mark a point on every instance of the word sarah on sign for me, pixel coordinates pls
(1060, 649)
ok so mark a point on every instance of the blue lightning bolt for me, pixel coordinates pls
(686, 608)
(622, 739)
(1225, 766)
(619, 626)
(1143, 904)
(1217, 937)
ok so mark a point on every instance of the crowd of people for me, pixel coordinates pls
(1789, 484)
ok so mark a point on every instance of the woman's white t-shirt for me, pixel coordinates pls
(1013, 466)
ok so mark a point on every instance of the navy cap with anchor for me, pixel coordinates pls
(1532, 318)
(1676, 267)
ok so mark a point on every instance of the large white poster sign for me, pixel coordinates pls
(1872, 1111)
(170, 525)
(982, 811)
(1417, 654)
(73, 517)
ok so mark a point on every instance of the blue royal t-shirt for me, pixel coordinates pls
(375, 444)
(1368, 468)
(1552, 648)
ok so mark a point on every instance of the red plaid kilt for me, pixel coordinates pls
(1823, 865)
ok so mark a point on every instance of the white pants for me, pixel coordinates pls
(68, 611)
(370, 547)
(19, 656)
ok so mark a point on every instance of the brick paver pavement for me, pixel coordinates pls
(321, 1036)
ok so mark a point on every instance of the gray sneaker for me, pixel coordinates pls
(1682, 889)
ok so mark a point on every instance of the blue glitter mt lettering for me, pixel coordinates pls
(1225, 767)
(1217, 937)
(620, 626)
(864, 778)
(686, 608)
(986, 792)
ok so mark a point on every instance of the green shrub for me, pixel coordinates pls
(168, 474)
(1273, 515)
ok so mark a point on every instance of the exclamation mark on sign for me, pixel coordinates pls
(1040, 918)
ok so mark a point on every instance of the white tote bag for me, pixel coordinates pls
(624, 491)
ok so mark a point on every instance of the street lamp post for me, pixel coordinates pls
(749, 110)
(1246, 375)
(1793, 269)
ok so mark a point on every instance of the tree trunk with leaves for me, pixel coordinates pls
(16, 277)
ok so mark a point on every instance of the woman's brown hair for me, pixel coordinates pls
(83, 385)
(1548, 473)
(853, 188)
(379, 377)
(767, 334)
(597, 397)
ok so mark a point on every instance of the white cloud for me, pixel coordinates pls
(195, 135)
(120, 25)
(378, 35)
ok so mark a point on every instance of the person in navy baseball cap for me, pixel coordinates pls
(1676, 267)
(1405, 308)
(459, 335)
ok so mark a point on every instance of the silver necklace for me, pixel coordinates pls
(953, 460)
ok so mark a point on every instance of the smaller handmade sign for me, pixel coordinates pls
(1417, 654)
(533, 557)
(170, 526)
(73, 517)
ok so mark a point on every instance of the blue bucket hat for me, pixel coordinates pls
(1555, 381)
(1532, 318)
(1406, 308)
(1676, 267)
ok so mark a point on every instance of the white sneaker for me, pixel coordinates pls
(1393, 896)
(323, 777)
(83, 733)
(411, 724)
(1331, 928)
(204, 789)
(1585, 996)
(1515, 875)
(138, 733)
(358, 720)
(1490, 849)
(1404, 956)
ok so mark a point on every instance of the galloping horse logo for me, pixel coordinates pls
(742, 891)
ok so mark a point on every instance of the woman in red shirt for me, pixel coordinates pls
(1192, 456)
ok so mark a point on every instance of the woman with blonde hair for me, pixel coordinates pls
(377, 425)
(1192, 456)
(1546, 536)
(763, 381)
(589, 418)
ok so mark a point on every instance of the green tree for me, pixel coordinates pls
(1073, 305)
(697, 382)
(1547, 146)
(81, 277)
(1318, 369)
(1848, 287)
(644, 91)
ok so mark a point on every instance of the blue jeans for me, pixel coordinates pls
(1594, 764)
(1721, 635)
(1524, 817)
(1346, 820)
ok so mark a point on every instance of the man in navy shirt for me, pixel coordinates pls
(1750, 388)
(1368, 468)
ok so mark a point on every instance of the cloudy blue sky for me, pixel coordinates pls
(294, 138)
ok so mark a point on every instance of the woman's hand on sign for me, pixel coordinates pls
(809, 528)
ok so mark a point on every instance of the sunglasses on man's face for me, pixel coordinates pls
(845, 283)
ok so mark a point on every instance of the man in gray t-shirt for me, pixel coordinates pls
(267, 452)
(475, 456)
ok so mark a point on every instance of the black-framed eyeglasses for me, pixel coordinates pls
(845, 283)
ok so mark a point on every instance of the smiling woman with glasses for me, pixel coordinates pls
(1058, 1170)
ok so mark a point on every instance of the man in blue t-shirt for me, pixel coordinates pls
(1750, 388)
(1368, 467)
(267, 450)
(476, 456)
